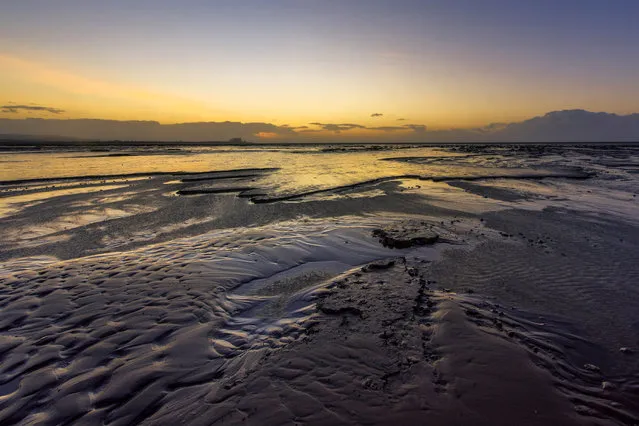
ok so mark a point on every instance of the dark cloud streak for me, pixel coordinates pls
(14, 109)
(387, 128)
(414, 127)
(337, 128)
(419, 128)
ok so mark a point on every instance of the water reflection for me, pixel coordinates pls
(298, 170)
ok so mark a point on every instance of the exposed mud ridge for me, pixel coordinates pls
(232, 175)
(197, 191)
(210, 175)
(406, 235)
(428, 160)
(403, 234)
(379, 265)
(359, 148)
(261, 199)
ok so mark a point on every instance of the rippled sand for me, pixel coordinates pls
(222, 286)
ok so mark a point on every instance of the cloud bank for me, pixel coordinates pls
(557, 126)
(94, 129)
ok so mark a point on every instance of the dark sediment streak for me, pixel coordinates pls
(132, 175)
(572, 175)
(230, 176)
(199, 191)
(487, 191)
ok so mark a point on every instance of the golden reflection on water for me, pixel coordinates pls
(11, 204)
(306, 170)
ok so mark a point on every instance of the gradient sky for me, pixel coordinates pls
(446, 63)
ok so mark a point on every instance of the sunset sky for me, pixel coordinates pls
(443, 64)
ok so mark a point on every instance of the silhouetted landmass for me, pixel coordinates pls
(572, 126)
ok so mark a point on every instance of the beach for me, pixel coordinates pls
(320, 284)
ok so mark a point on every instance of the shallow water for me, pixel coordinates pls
(297, 171)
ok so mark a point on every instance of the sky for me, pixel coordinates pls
(355, 68)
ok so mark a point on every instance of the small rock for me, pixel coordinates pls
(372, 383)
(386, 334)
(378, 266)
(592, 367)
(405, 238)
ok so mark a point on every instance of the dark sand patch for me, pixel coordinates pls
(490, 192)
(560, 263)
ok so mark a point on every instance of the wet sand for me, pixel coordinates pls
(427, 296)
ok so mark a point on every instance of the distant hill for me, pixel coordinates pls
(113, 130)
(38, 138)
(557, 126)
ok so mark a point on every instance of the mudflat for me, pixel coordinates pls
(466, 285)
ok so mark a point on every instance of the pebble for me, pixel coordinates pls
(592, 367)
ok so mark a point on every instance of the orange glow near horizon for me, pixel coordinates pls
(301, 99)
(27, 82)
(86, 97)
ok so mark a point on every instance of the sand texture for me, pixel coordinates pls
(462, 285)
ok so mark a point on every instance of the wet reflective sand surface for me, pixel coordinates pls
(239, 285)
